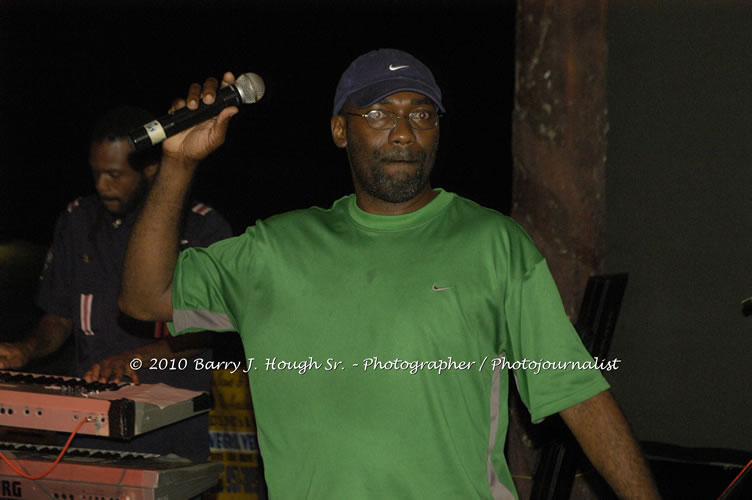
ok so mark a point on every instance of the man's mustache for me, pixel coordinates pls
(406, 156)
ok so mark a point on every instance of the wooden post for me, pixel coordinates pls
(559, 136)
(559, 132)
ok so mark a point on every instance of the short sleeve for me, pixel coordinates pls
(209, 283)
(552, 368)
(53, 294)
(214, 228)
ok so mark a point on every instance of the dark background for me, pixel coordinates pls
(679, 217)
(63, 66)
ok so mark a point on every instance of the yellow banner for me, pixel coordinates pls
(232, 438)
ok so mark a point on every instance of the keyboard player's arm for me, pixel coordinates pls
(117, 367)
(45, 338)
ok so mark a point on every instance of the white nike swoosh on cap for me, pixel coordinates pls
(392, 67)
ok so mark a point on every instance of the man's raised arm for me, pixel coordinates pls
(146, 290)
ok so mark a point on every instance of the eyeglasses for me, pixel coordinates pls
(381, 119)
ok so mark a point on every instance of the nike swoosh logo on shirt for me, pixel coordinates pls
(392, 67)
(440, 288)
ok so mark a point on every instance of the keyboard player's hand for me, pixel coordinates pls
(13, 355)
(114, 369)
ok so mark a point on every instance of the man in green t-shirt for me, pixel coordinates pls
(380, 332)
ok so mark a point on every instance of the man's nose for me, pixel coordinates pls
(402, 133)
(102, 184)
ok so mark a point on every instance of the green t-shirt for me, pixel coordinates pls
(373, 341)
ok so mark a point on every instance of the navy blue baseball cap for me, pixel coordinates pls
(381, 73)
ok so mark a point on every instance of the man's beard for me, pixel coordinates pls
(370, 173)
(127, 206)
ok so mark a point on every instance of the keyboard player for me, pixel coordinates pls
(81, 280)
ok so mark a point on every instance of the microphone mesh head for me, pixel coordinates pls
(250, 87)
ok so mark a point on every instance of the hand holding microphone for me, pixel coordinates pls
(247, 89)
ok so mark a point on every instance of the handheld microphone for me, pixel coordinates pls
(247, 89)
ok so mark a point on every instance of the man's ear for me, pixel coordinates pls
(339, 131)
(150, 171)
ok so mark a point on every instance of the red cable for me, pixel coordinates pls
(735, 479)
(57, 460)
